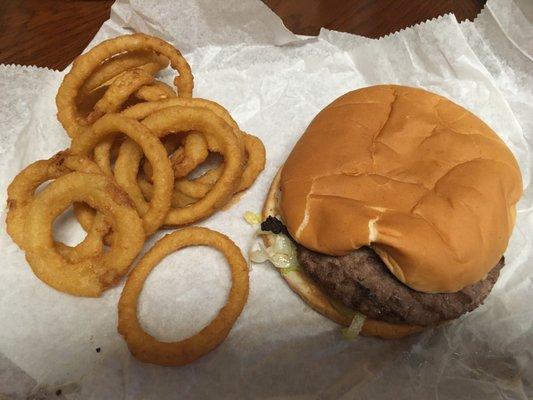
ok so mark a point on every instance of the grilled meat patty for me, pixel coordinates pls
(361, 281)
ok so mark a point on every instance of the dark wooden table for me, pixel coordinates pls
(50, 33)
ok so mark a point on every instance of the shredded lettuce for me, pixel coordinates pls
(352, 332)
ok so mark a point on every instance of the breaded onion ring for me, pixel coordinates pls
(182, 119)
(255, 163)
(250, 144)
(154, 213)
(178, 198)
(189, 156)
(147, 60)
(145, 347)
(155, 92)
(91, 276)
(171, 143)
(21, 195)
(143, 110)
(85, 65)
(119, 91)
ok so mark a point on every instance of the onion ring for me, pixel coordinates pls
(145, 347)
(86, 218)
(210, 177)
(193, 189)
(193, 152)
(102, 155)
(149, 61)
(171, 143)
(21, 195)
(153, 214)
(143, 110)
(255, 163)
(82, 68)
(155, 92)
(88, 277)
(180, 119)
(178, 198)
(184, 158)
(119, 91)
(251, 144)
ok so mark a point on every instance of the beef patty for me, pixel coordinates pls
(361, 281)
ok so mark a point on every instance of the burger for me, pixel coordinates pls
(396, 206)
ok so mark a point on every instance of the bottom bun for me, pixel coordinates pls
(315, 297)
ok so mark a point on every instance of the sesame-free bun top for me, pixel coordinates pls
(424, 182)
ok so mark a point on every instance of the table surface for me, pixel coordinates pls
(51, 33)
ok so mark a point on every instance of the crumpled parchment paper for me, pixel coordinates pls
(273, 83)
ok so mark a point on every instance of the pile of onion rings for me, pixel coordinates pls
(144, 155)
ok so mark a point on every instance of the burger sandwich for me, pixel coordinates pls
(393, 211)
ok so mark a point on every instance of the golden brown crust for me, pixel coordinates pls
(421, 180)
(315, 297)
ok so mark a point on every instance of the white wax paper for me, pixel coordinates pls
(274, 83)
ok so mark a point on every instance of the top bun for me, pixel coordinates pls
(424, 182)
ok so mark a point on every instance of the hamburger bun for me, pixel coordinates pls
(317, 299)
(419, 179)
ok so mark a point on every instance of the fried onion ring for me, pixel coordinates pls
(193, 152)
(85, 65)
(191, 188)
(178, 198)
(141, 138)
(147, 60)
(171, 143)
(255, 163)
(145, 347)
(88, 277)
(21, 195)
(252, 145)
(102, 155)
(182, 119)
(119, 91)
(86, 218)
(155, 92)
(184, 158)
(143, 110)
